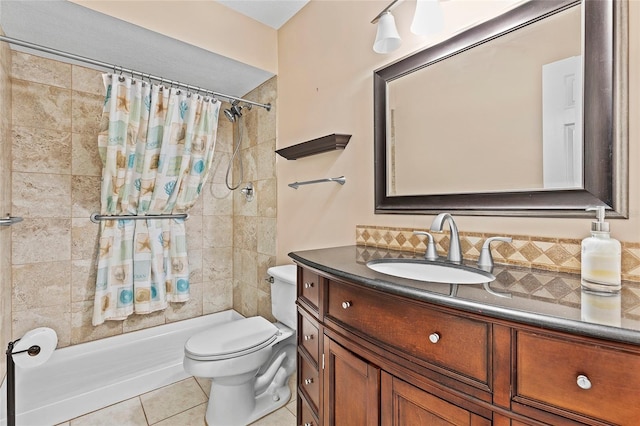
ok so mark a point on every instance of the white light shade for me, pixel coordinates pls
(387, 37)
(428, 19)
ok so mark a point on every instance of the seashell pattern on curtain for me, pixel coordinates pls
(157, 146)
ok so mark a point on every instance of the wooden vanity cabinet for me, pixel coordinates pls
(310, 348)
(373, 358)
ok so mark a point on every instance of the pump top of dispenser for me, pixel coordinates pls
(600, 225)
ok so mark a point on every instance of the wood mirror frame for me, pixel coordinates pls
(605, 119)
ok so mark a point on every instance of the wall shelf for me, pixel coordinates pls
(315, 146)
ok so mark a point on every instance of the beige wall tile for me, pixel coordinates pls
(84, 238)
(266, 197)
(219, 166)
(190, 309)
(266, 167)
(85, 196)
(217, 296)
(217, 231)
(87, 80)
(41, 195)
(195, 265)
(41, 240)
(81, 328)
(40, 70)
(217, 200)
(264, 305)
(264, 263)
(56, 317)
(5, 198)
(84, 153)
(249, 164)
(41, 150)
(194, 232)
(267, 235)
(244, 233)
(37, 285)
(245, 267)
(86, 113)
(41, 106)
(217, 264)
(254, 232)
(83, 280)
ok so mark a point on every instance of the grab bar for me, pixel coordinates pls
(341, 180)
(95, 218)
(9, 220)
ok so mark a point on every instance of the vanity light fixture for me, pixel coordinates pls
(387, 37)
(427, 20)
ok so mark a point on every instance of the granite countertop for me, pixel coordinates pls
(551, 300)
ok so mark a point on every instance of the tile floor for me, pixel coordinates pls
(180, 404)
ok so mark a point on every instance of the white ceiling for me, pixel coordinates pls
(69, 27)
(273, 13)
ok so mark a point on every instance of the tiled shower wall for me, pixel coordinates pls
(55, 187)
(5, 198)
(254, 222)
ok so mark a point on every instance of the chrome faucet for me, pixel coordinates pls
(485, 261)
(455, 254)
(430, 253)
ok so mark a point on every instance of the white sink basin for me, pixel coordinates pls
(423, 270)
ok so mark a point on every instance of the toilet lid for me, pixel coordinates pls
(231, 339)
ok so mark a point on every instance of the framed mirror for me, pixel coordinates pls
(522, 115)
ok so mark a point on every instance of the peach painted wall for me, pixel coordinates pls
(205, 24)
(325, 86)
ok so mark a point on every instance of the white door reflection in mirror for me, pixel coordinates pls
(562, 146)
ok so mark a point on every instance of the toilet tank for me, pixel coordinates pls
(283, 294)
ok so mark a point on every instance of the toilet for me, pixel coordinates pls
(249, 360)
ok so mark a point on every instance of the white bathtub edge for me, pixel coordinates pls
(105, 395)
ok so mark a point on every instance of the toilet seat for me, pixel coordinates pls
(231, 340)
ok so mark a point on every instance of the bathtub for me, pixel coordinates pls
(86, 377)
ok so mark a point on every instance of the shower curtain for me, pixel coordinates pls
(156, 146)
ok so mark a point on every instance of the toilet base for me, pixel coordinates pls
(224, 410)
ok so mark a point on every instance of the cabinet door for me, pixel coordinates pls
(404, 404)
(351, 388)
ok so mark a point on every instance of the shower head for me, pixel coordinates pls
(229, 115)
(233, 112)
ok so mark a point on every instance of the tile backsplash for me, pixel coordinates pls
(551, 254)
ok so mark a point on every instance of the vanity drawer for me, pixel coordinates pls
(548, 372)
(454, 343)
(308, 338)
(306, 415)
(309, 288)
(308, 382)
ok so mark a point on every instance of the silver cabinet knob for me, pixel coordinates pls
(308, 381)
(308, 424)
(434, 337)
(583, 382)
(308, 285)
(346, 304)
(308, 337)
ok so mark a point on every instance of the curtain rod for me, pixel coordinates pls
(116, 68)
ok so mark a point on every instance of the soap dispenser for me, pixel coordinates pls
(601, 257)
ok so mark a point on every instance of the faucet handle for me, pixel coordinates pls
(486, 259)
(431, 253)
